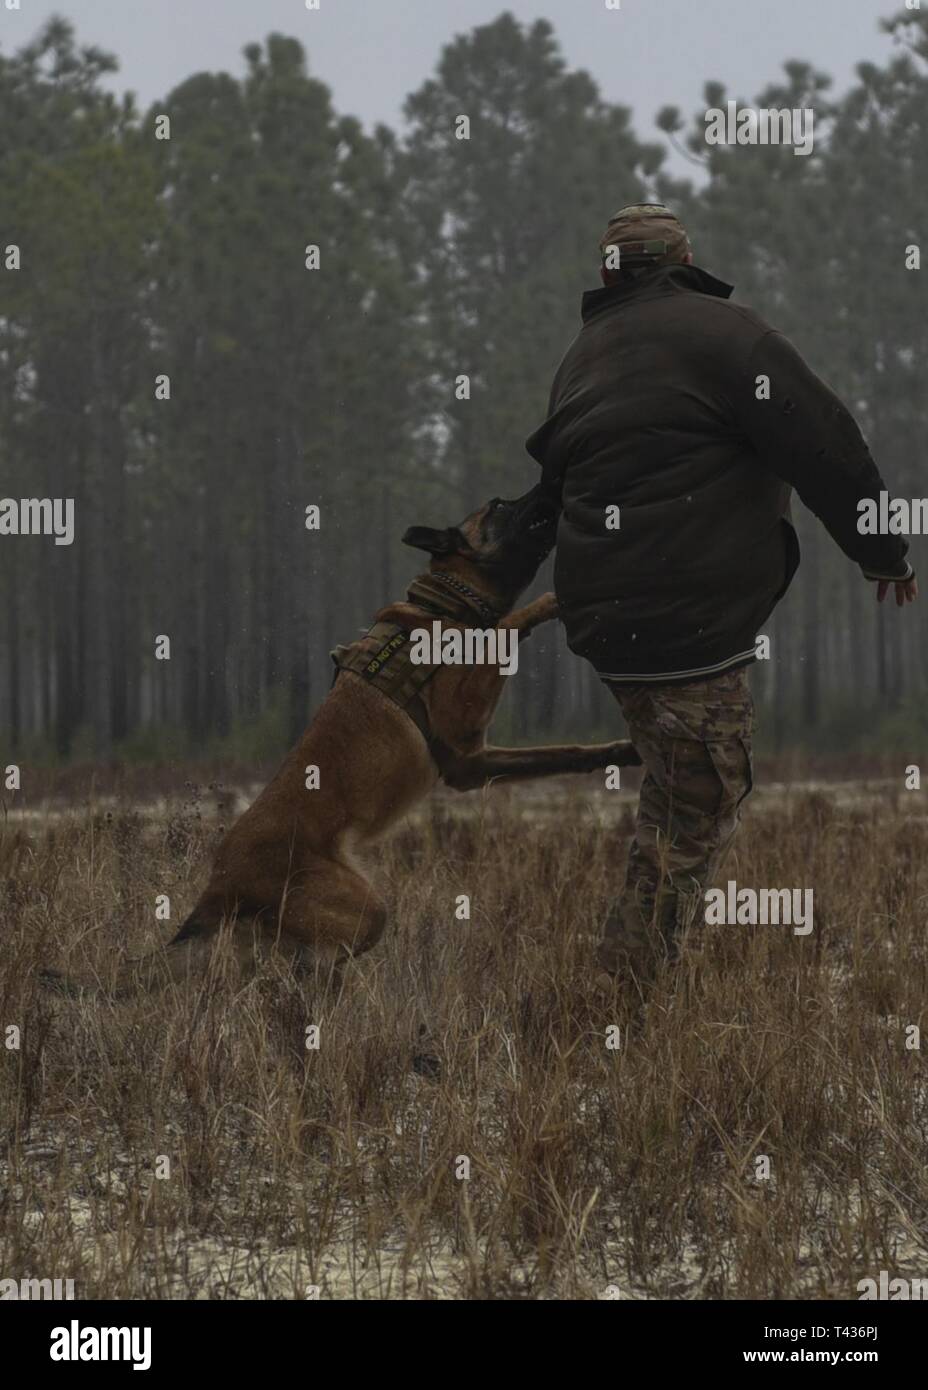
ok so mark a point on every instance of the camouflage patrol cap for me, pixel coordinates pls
(645, 234)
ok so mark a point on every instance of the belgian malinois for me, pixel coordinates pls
(286, 871)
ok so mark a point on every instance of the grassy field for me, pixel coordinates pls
(189, 1144)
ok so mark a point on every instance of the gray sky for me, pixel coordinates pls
(648, 54)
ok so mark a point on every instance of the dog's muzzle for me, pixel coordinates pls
(536, 520)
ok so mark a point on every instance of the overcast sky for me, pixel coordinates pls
(648, 54)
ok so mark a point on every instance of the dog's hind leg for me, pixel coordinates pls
(330, 913)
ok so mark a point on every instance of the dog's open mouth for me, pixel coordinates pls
(523, 530)
(539, 519)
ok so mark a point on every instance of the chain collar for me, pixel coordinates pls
(432, 590)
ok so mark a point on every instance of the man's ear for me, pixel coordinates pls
(446, 542)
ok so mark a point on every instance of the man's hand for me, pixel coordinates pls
(906, 590)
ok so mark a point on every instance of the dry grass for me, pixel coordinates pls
(589, 1167)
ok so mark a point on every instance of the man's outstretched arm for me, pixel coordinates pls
(808, 437)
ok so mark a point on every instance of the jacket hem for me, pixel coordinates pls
(694, 674)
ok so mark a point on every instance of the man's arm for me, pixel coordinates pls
(805, 435)
(537, 444)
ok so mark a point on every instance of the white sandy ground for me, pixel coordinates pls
(214, 1268)
(532, 800)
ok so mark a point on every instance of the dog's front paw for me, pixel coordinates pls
(545, 608)
(624, 754)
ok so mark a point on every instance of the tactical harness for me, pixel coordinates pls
(382, 656)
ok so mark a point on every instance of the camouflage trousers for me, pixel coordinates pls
(695, 745)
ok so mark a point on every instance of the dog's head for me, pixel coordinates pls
(502, 542)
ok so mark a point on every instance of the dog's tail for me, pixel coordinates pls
(170, 964)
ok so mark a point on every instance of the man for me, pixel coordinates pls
(677, 424)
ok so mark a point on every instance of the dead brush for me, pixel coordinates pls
(190, 1143)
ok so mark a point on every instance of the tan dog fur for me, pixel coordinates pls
(287, 872)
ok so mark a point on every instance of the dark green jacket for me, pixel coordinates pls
(655, 410)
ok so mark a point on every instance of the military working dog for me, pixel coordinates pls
(287, 872)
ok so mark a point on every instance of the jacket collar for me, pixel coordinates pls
(666, 279)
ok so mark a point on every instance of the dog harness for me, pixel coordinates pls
(382, 655)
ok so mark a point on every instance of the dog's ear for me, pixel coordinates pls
(446, 542)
